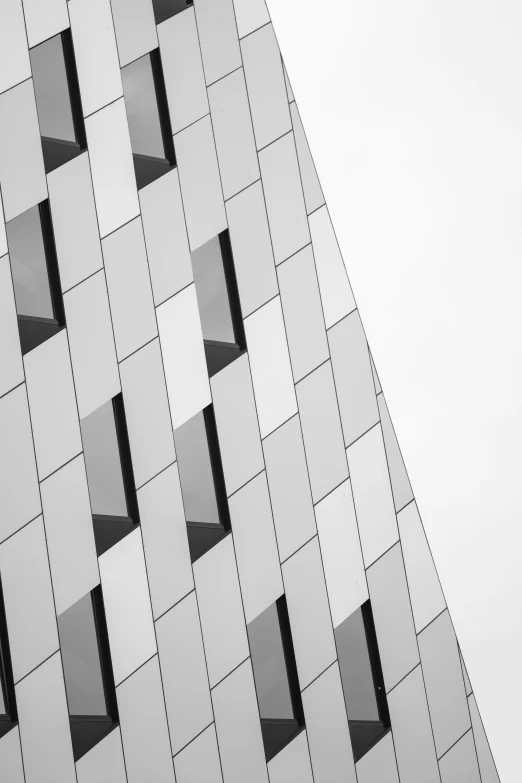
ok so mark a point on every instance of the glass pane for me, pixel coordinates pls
(211, 290)
(195, 471)
(142, 108)
(81, 659)
(3, 710)
(268, 661)
(52, 91)
(103, 464)
(164, 9)
(356, 673)
(29, 265)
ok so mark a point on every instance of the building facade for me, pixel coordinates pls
(212, 565)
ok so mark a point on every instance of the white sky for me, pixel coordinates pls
(413, 111)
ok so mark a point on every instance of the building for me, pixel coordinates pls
(212, 566)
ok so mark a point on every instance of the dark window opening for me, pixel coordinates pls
(202, 482)
(363, 683)
(275, 676)
(58, 100)
(218, 302)
(89, 680)
(164, 9)
(109, 474)
(8, 713)
(36, 280)
(148, 116)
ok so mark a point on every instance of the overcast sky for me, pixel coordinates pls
(413, 111)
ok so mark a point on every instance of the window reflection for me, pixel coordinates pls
(103, 463)
(52, 90)
(212, 294)
(164, 9)
(142, 108)
(195, 471)
(268, 661)
(29, 265)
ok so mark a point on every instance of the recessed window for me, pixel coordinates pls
(363, 684)
(36, 281)
(8, 714)
(218, 302)
(275, 675)
(148, 117)
(164, 9)
(109, 474)
(89, 681)
(202, 482)
(58, 100)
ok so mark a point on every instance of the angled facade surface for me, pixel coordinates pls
(212, 565)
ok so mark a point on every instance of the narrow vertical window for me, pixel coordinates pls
(202, 482)
(148, 116)
(218, 302)
(8, 713)
(275, 676)
(89, 681)
(363, 684)
(164, 9)
(58, 100)
(39, 303)
(109, 474)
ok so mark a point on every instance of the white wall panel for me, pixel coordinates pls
(256, 548)
(378, 765)
(75, 224)
(104, 763)
(11, 757)
(14, 57)
(311, 186)
(459, 764)
(93, 354)
(43, 20)
(127, 605)
(292, 764)
(199, 762)
(236, 149)
(200, 182)
(266, 86)
(341, 553)
(184, 672)
(135, 28)
(401, 487)
(183, 356)
(270, 366)
(10, 351)
(221, 611)
(166, 236)
(112, 167)
(70, 534)
(372, 495)
(22, 174)
(488, 770)
(218, 38)
(250, 14)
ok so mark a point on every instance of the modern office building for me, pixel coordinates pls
(212, 565)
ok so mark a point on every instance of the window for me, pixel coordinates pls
(36, 280)
(362, 679)
(275, 675)
(109, 474)
(58, 100)
(89, 681)
(164, 9)
(202, 482)
(8, 714)
(218, 301)
(148, 117)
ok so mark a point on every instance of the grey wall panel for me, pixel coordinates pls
(322, 433)
(238, 728)
(43, 20)
(14, 57)
(184, 672)
(22, 175)
(327, 728)
(401, 487)
(199, 762)
(91, 343)
(376, 380)
(218, 37)
(165, 540)
(130, 292)
(309, 612)
(444, 682)
(75, 223)
(292, 764)
(11, 762)
(250, 14)
(311, 186)
(289, 90)
(166, 236)
(3, 236)
(412, 734)
(44, 725)
(290, 492)
(52, 403)
(393, 617)
(221, 611)
(379, 764)
(236, 149)
(70, 535)
(256, 547)
(144, 731)
(135, 28)
(459, 764)
(237, 425)
(10, 352)
(488, 770)
(104, 763)
(19, 496)
(303, 313)
(353, 377)
(467, 683)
